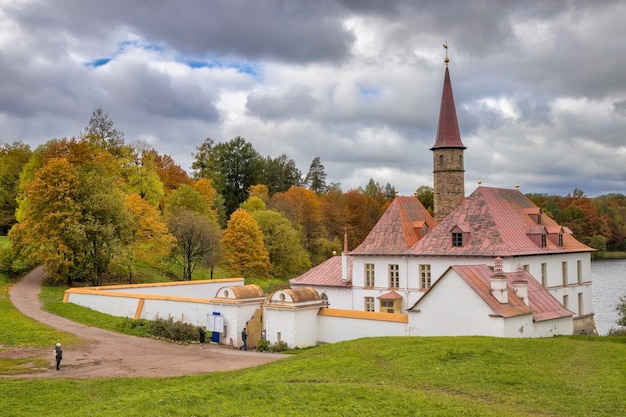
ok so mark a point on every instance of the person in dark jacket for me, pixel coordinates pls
(58, 355)
(244, 339)
(201, 336)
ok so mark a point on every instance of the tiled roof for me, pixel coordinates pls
(391, 296)
(448, 135)
(326, 274)
(400, 227)
(501, 223)
(543, 305)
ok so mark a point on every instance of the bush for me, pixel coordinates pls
(177, 331)
(621, 331)
(264, 346)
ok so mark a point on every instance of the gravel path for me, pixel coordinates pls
(108, 354)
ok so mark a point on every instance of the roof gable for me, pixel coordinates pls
(543, 306)
(403, 224)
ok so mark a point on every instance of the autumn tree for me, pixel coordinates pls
(316, 177)
(244, 250)
(197, 241)
(47, 234)
(13, 157)
(148, 238)
(302, 206)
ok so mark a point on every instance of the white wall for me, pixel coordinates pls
(191, 289)
(332, 329)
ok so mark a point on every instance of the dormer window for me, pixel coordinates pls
(460, 235)
(534, 213)
(543, 241)
(457, 240)
(560, 239)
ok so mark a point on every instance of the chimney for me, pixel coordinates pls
(345, 265)
(498, 283)
(520, 285)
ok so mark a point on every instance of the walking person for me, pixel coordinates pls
(58, 355)
(244, 339)
(201, 336)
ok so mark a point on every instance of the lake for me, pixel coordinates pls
(609, 284)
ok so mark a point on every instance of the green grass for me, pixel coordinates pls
(403, 376)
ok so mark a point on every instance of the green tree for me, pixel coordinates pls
(185, 197)
(13, 157)
(316, 177)
(197, 241)
(142, 178)
(279, 174)
(283, 243)
(621, 311)
(101, 133)
(232, 166)
(102, 224)
(426, 195)
(244, 250)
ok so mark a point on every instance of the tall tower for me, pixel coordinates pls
(448, 166)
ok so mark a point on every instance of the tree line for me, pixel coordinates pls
(93, 207)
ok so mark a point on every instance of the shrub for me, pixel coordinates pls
(177, 331)
(263, 346)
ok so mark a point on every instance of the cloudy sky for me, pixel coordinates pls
(540, 86)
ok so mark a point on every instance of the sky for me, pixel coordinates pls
(539, 86)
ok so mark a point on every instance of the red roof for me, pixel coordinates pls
(448, 135)
(496, 222)
(391, 296)
(403, 224)
(326, 274)
(543, 306)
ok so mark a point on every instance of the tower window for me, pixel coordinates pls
(440, 159)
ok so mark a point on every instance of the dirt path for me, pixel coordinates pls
(110, 354)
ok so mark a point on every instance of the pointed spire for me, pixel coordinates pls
(448, 135)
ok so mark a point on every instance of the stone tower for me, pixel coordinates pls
(448, 166)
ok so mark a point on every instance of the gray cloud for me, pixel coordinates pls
(539, 85)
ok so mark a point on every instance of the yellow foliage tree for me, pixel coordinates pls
(244, 251)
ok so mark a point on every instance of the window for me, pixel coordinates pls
(369, 303)
(369, 275)
(387, 306)
(543, 240)
(565, 301)
(564, 268)
(394, 276)
(457, 240)
(579, 271)
(526, 268)
(440, 159)
(424, 276)
(580, 304)
(544, 275)
(560, 239)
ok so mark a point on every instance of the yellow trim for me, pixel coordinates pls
(163, 284)
(89, 291)
(66, 296)
(139, 308)
(366, 315)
